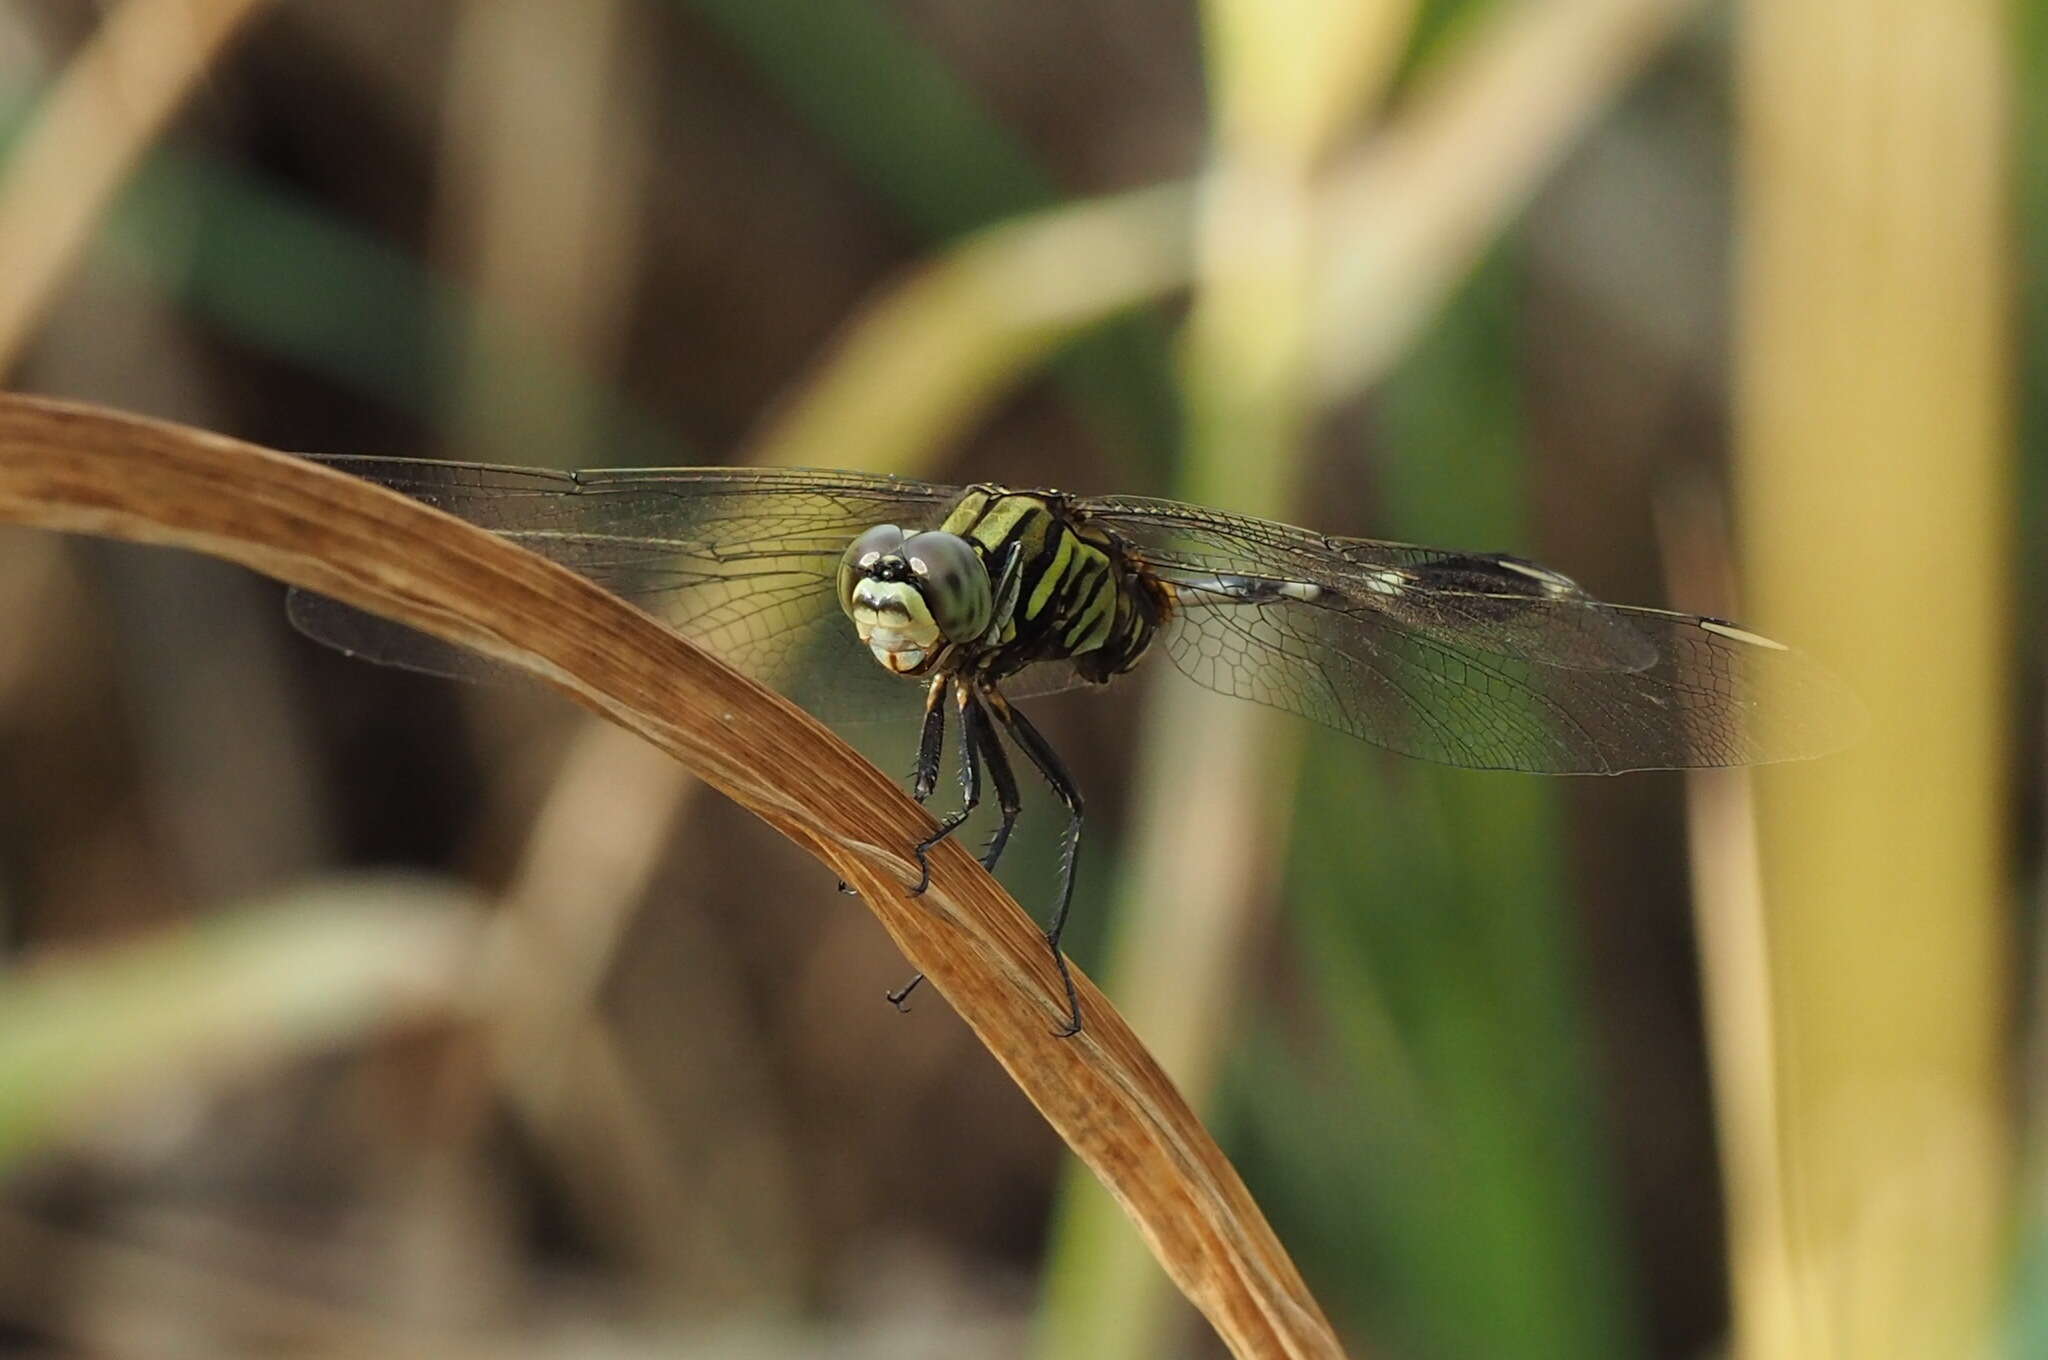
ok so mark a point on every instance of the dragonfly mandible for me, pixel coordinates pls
(863, 596)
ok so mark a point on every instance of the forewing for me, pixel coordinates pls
(743, 561)
(1469, 659)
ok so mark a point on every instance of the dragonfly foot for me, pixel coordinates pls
(1073, 1024)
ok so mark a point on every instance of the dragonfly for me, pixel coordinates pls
(864, 597)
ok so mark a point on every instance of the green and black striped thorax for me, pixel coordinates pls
(1076, 597)
(1004, 580)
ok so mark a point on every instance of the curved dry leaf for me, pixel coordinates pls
(87, 470)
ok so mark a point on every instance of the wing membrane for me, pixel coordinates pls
(741, 560)
(1469, 659)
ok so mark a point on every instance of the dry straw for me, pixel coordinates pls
(86, 470)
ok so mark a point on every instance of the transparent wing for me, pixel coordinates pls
(744, 561)
(1469, 659)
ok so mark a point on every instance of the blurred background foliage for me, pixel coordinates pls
(607, 1070)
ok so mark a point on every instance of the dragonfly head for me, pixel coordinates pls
(912, 595)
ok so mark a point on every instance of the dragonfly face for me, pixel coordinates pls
(912, 596)
(807, 579)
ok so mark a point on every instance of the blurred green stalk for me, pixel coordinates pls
(1288, 79)
(2028, 1327)
(192, 1008)
(910, 128)
(1431, 1148)
(928, 356)
(1457, 889)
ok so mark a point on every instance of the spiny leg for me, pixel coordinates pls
(931, 740)
(970, 786)
(976, 720)
(931, 743)
(978, 735)
(1040, 753)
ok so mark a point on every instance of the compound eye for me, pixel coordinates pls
(949, 574)
(861, 555)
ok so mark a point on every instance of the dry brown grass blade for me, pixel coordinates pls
(87, 470)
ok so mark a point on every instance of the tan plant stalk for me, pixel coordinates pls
(546, 140)
(1731, 924)
(85, 470)
(1873, 413)
(1405, 217)
(87, 138)
(545, 146)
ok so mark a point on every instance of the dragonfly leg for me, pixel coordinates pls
(970, 783)
(975, 725)
(931, 742)
(1008, 582)
(977, 733)
(1040, 753)
(977, 743)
